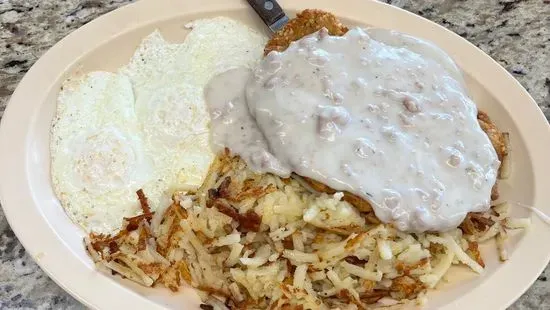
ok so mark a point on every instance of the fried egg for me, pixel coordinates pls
(144, 127)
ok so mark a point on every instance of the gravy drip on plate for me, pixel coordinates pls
(377, 113)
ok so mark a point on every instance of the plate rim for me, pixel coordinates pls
(13, 181)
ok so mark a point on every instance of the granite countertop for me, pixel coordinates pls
(516, 33)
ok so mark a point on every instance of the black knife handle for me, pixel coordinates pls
(269, 10)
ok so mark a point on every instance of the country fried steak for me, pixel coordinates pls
(306, 22)
(310, 21)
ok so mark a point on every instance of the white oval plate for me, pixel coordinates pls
(108, 42)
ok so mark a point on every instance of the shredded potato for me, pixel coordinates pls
(267, 250)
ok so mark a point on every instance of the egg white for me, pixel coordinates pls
(145, 127)
(97, 151)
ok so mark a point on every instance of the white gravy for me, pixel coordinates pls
(377, 113)
(232, 125)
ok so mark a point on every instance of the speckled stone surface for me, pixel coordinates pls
(514, 32)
